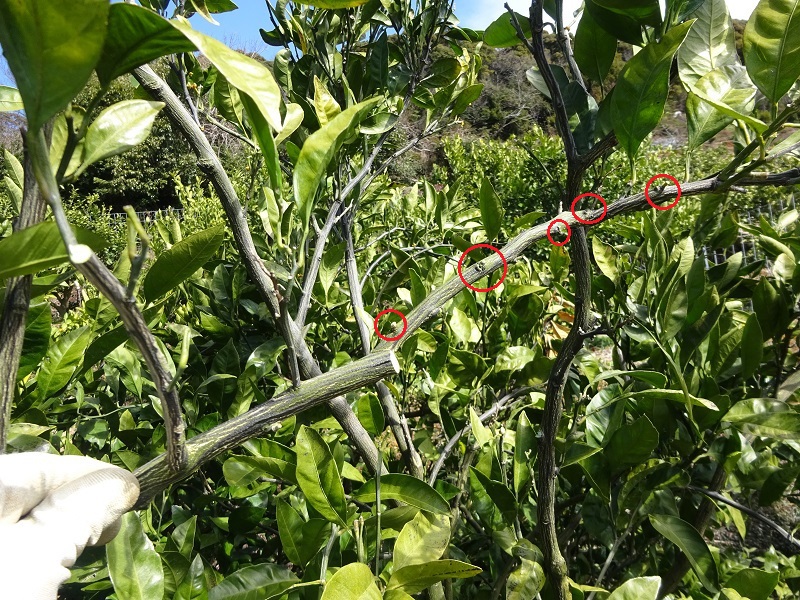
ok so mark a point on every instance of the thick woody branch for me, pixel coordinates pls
(17, 302)
(97, 273)
(397, 422)
(154, 477)
(536, 47)
(209, 162)
(555, 565)
(105, 281)
(516, 247)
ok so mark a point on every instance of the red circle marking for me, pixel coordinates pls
(550, 237)
(386, 312)
(647, 191)
(589, 195)
(493, 249)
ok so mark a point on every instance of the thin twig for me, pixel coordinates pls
(786, 535)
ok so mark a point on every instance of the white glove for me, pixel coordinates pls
(51, 508)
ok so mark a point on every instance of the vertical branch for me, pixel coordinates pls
(566, 45)
(554, 407)
(209, 162)
(555, 564)
(15, 311)
(396, 421)
(99, 275)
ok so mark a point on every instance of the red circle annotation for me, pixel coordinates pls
(647, 191)
(589, 195)
(550, 237)
(386, 312)
(461, 267)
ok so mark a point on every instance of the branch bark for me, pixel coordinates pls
(155, 476)
(17, 303)
(210, 164)
(96, 272)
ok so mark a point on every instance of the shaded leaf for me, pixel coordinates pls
(692, 544)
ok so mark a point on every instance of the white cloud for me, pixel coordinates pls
(477, 14)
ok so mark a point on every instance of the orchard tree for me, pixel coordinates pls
(340, 327)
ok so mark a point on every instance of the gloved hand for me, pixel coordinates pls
(51, 508)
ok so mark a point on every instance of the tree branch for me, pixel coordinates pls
(17, 303)
(97, 273)
(515, 248)
(210, 164)
(154, 477)
(786, 535)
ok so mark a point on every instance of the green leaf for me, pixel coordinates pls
(640, 588)
(180, 262)
(710, 43)
(776, 484)
(526, 581)
(502, 34)
(10, 100)
(500, 494)
(415, 578)
(331, 266)
(653, 378)
(752, 346)
(766, 418)
(370, 413)
(333, 4)
(464, 328)
(423, 539)
(491, 210)
(52, 48)
(38, 248)
(692, 544)
(325, 104)
(605, 258)
(319, 150)
(290, 530)
(642, 89)
(595, 49)
(632, 444)
(117, 129)
(61, 361)
(754, 584)
(318, 476)
(772, 46)
(136, 36)
(37, 338)
(244, 73)
(264, 581)
(729, 85)
(524, 454)
(513, 358)
(621, 26)
(352, 582)
(404, 488)
(194, 582)
(227, 101)
(718, 98)
(133, 564)
(676, 310)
